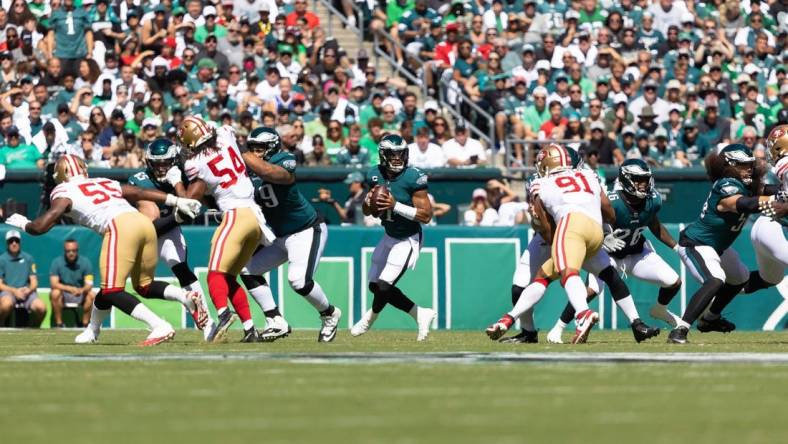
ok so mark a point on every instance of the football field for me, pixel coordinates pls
(385, 388)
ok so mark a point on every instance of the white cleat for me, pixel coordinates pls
(554, 335)
(424, 320)
(275, 328)
(160, 334)
(330, 323)
(663, 314)
(584, 322)
(363, 324)
(88, 336)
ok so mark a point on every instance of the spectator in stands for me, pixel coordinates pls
(423, 153)
(479, 213)
(537, 114)
(350, 213)
(712, 127)
(462, 150)
(71, 284)
(554, 127)
(334, 139)
(18, 282)
(15, 154)
(353, 154)
(318, 156)
(644, 149)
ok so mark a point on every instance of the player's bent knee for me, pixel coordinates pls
(516, 292)
(373, 287)
(384, 287)
(301, 287)
(252, 281)
(714, 284)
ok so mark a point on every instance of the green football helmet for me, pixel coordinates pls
(635, 178)
(161, 155)
(393, 153)
(740, 157)
(575, 158)
(264, 142)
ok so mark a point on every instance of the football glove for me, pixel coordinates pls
(611, 243)
(189, 207)
(17, 220)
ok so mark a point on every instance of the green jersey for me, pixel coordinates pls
(714, 228)
(72, 273)
(632, 222)
(69, 28)
(285, 208)
(146, 180)
(401, 188)
(15, 271)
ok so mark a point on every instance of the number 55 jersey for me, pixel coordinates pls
(95, 202)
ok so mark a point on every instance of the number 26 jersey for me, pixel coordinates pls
(223, 172)
(94, 201)
(572, 191)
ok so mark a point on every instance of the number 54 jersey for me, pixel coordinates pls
(95, 202)
(572, 191)
(223, 172)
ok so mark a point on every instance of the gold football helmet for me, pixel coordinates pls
(552, 159)
(777, 142)
(69, 166)
(194, 134)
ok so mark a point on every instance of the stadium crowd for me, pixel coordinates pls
(660, 80)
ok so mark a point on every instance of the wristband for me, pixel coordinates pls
(676, 248)
(171, 200)
(405, 211)
(746, 205)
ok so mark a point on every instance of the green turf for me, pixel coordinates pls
(291, 401)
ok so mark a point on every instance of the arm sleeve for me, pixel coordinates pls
(164, 224)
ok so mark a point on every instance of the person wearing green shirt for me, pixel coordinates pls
(15, 154)
(71, 283)
(210, 26)
(70, 36)
(536, 114)
(371, 140)
(18, 282)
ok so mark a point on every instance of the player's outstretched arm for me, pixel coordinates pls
(189, 207)
(268, 171)
(751, 204)
(46, 221)
(608, 213)
(661, 233)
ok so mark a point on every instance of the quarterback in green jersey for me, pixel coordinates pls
(402, 211)
(705, 245)
(300, 236)
(163, 173)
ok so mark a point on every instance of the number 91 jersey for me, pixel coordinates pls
(570, 191)
(223, 172)
(94, 201)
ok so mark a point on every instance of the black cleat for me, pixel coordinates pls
(678, 335)
(524, 337)
(251, 335)
(720, 324)
(643, 331)
(224, 322)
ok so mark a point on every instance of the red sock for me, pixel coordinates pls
(218, 289)
(238, 298)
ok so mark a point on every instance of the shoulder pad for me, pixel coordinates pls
(729, 187)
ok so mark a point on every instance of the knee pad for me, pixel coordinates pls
(714, 285)
(101, 301)
(142, 290)
(384, 287)
(252, 281)
(373, 287)
(516, 292)
(306, 289)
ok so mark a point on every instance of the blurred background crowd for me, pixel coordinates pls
(476, 83)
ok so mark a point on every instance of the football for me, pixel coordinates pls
(378, 190)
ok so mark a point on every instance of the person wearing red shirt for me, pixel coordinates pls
(445, 55)
(312, 20)
(554, 128)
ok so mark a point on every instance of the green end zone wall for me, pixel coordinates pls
(465, 272)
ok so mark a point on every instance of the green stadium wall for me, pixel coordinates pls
(465, 272)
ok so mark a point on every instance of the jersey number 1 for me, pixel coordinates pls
(569, 183)
(221, 172)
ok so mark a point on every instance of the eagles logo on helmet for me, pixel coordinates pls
(160, 156)
(636, 178)
(393, 153)
(264, 142)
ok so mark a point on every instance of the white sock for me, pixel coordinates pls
(97, 317)
(682, 323)
(560, 325)
(173, 293)
(530, 296)
(527, 320)
(144, 314)
(317, 297)
(371, 315)
(627, 305)
(248, 324)
(264, 297)
(576, 292)
(414, 312)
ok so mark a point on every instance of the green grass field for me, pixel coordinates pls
(292, 391)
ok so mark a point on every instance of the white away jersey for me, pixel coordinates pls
(570, 192)
(94, 201)
(224, 172)
(781, 171)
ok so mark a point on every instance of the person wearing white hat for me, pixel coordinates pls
(479, 212)
(18, 282)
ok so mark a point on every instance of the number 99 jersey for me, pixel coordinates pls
(94, 201)
(571, 191)
(223, 172)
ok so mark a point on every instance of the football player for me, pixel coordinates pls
(625, 249)
(300, 236)
(705, 245)
(768, 235)
(128, 248)
(576, 200)
(401, 211)
(162, 173)
(213, 166)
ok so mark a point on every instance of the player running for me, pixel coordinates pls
(128, 248)
(402, 210)
(626, 250)
(213, 166)
(301, 236)
(162, 173)
(705, 245)
(768, 234)
(575, 199)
